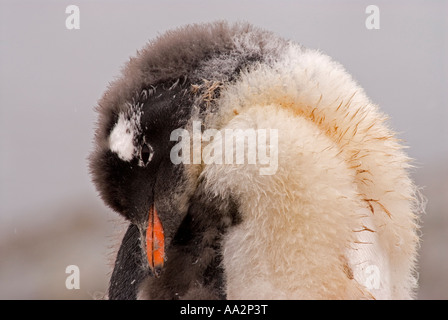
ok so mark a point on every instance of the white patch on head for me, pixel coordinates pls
(121, 139)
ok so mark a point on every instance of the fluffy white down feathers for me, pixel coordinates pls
(338, 219)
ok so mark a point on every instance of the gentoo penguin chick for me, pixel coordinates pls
(318, 204)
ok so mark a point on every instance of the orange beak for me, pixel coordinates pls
(155, 242)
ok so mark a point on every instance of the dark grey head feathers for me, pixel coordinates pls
(173, 78)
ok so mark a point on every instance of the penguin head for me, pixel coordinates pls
(133, 171)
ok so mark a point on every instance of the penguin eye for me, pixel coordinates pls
(146, 154)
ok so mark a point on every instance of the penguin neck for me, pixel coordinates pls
(193, 268)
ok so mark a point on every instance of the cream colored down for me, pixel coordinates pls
(341, 199)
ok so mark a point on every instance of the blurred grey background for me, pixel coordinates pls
(52, 77)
